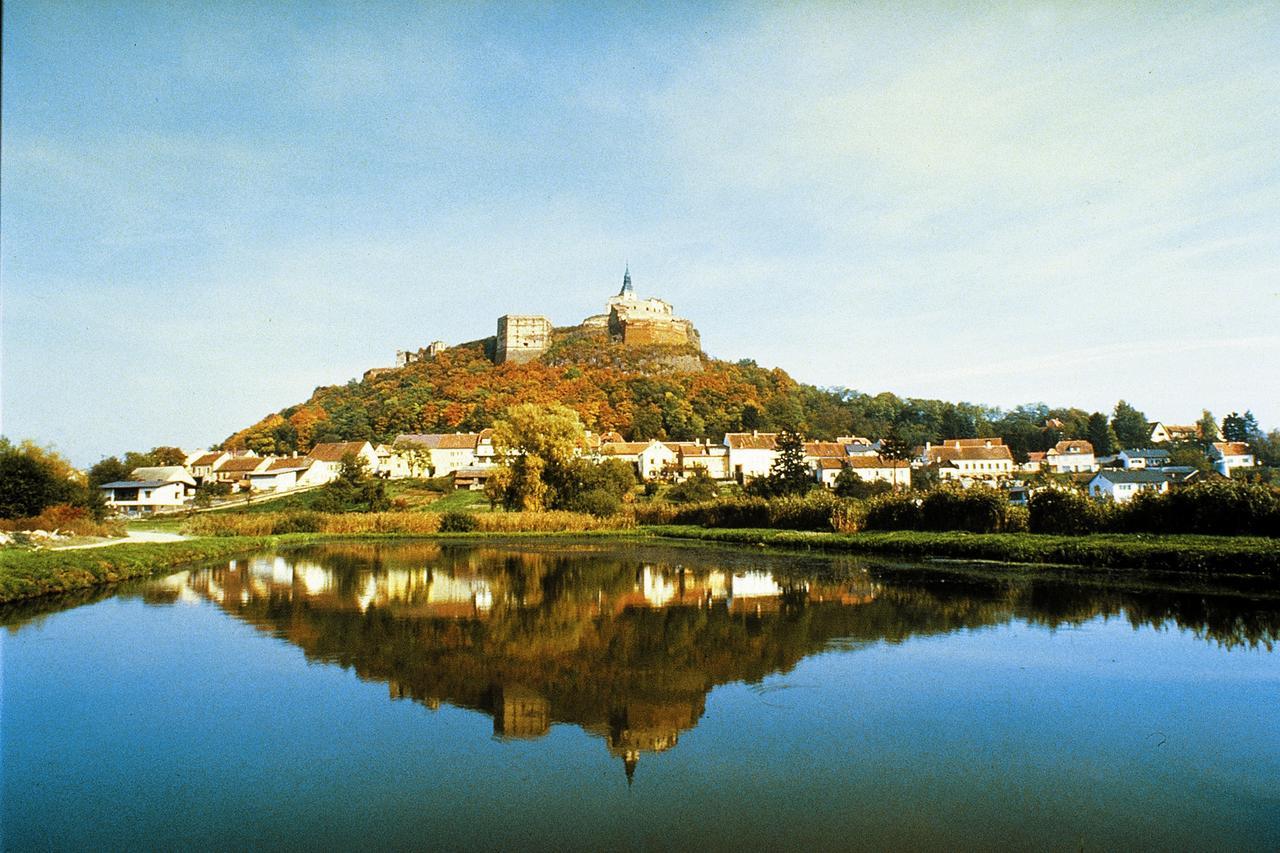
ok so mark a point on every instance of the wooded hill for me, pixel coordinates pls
(664, 392)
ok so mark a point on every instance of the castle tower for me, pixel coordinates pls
(627, 292)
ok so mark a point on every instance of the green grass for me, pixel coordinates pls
(462, 501)
(1205, 555)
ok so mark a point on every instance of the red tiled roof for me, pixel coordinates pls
(1232, 448)
(1080, 446)
(824, 448)
(241, 463)
(623, 448)
(875, 462)
(334, 451)
(752, 440)
(968, 454)
(459, 441)
(289, 463)
(207, 459)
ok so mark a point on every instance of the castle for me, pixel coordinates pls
(629, 320)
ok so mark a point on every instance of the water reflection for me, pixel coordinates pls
(627, 643)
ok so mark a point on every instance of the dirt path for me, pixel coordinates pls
(134, 536)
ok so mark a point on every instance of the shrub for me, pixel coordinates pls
(458, 522)
(893, 512)
(975, 510)
(1067, 512)
(699, 487)
(298, 522)
(1222, 507)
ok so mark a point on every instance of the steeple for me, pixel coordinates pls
(627, 289)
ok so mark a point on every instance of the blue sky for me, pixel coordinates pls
(211, 209)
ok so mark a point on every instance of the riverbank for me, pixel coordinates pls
(1199, 555)
(30, 574)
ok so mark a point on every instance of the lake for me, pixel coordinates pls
(585, 696)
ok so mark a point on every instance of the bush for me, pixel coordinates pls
(298, 522)
(893, 512)
(699, 487)
(1065, 512)
(1221, 507)
(458, 522)
(975, 510)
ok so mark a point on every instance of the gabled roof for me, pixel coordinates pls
(290, 463)
(334, 451)
(1232, 448)
(459, 441)
(162, 474)
(207, 459)
(137, 484)
(1114, 475)
(824, 448)
(968, 454)
(970, 442)
(429, 440)
(1075, 445)
(243, 464)
(875, 462)
(622, 448)
(751, 440)
(829, 463)
(1145, 452)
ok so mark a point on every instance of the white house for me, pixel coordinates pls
(1070, 457)
(1123, 486)
(751, 454)
(970, 460)
(447, 452)
(895, 472)
(1229, 455)
(236, 470)
(327, 460)
(1162, 433)
(1138, 459)
(280, 474)
(203, 464)
(150, 490)
(698, 455)
(650, 458)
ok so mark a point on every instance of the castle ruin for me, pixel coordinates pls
(521, 338)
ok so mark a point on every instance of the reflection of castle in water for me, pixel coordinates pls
(537, 639)
(626, 643)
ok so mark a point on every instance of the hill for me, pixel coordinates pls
(653, 391)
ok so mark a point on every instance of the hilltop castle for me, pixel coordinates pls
(629, 320)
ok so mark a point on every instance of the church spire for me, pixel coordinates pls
(627, 289)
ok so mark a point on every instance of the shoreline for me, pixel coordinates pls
(26, 575)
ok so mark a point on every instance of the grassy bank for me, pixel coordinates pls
(1217, 555)
(27, 574)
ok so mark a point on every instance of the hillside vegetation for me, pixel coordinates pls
(660, 392)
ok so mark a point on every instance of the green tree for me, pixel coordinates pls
(1130, 426)
(1233, 427)
(697, 487)
(1100, 434)
(33, 478)
(790, 474)
(107, 470)
(1208, 427)
(354, 489)
(849, 485)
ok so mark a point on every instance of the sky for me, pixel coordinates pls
(208, 210)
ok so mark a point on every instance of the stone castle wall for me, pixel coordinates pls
(521, 338)
(642, 332)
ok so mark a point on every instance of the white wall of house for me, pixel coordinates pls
(148, 498)
(1100, 487)
(749, 463)
(655, 459)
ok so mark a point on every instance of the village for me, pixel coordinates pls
(467, 460)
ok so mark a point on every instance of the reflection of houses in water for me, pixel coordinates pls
(532, 640)
(520, 712)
